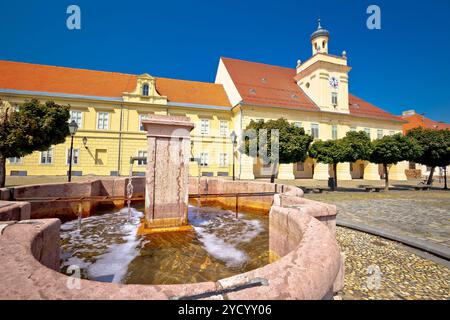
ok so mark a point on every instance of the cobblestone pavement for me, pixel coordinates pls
(420, 215)
(376, 268)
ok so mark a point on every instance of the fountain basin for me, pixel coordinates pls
(301, 234)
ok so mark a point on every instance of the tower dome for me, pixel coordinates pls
(320, 31)
(319, 39)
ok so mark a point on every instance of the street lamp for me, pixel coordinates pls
(233, 137)
(73, 127)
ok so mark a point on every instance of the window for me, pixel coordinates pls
(145, 89)
(15, 160)
(204, 159)
(379, 134)
(367, 131)
(334, 99)
(334, 132)
(142, 117)
(315, 130)
(76, 116)
(47, 156)
(223, 159)
(223, 128)
(352, 128)
(75, 156)
(204, 126)
(298, 124)
(300, 166)
(103, 120)
(391, 132)
(142, 154)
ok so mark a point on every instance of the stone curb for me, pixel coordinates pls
(435, 249)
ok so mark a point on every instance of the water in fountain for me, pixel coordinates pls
(108, 247)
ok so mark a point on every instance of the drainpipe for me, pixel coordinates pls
(241, 114)
(120, 140)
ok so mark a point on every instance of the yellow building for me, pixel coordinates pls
(108, 108)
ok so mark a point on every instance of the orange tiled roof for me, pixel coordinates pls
(263, 84)
(42, 78)
(418, 120)
(358, 106)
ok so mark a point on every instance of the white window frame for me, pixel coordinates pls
(142, 153)
(205, 127)
(223, 128)
(367, 130)
(78, 120)
(142, 117)
(45, 155)
(391, 132)
(223, 159)
(315, 126)
(298, 124)
(352, 128)
(380, 133)
(334, 98)
(204, 159)
(334, 132)
(75, 150)
(17, 160)
(103, 120)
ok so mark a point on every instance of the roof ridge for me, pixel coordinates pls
(63, 67)
(262, 63)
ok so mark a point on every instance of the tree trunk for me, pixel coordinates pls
(274, 172)
(335, 176)
(2, 171)
(445, 178)
(386, 177)
(430, 178)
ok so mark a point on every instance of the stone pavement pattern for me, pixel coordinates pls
(403, 275)
(420, 215)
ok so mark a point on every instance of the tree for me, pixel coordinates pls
(357, 146)
(435, 149)
(391, 150)
(34, 126)
(291, 146)
(329, 152)
(354, 146)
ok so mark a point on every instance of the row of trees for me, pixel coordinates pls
(425, 146)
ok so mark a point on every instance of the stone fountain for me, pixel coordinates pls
(166, 186)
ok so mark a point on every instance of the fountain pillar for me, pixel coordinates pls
(167, 185)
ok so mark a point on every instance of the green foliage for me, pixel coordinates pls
(293, 142)
(434, 145)
(393, 149)
(34, 126)
(356, 145)
(329, 151)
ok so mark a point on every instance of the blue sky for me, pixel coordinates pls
(405, 65)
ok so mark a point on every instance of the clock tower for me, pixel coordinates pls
(324, 77)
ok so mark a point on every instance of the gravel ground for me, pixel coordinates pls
(376, 268)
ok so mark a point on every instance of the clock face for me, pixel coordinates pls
(334, 82)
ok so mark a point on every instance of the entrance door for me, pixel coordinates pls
(361, 171)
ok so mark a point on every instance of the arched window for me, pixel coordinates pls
(145, 89)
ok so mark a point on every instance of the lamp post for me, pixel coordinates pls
(233, 137)
(73, 127)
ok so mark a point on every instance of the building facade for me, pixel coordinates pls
(108, 108)
(416, 120)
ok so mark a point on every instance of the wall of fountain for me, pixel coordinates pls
(308, 262)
